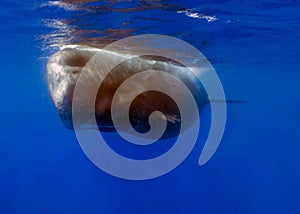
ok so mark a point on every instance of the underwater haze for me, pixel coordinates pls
(254, 47)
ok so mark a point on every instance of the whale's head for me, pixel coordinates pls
(63, 69)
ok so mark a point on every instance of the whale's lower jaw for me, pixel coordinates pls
(65, 66)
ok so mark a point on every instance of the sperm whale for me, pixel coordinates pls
(65, 66)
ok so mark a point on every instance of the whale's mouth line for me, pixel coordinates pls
(106, 128)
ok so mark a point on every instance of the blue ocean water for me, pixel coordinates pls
(254, 47)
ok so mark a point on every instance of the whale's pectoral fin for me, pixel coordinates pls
(212, 100)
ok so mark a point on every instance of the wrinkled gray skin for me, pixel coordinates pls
(65, 66)
(63, 69)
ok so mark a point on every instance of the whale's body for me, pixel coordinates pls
(65, 67)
